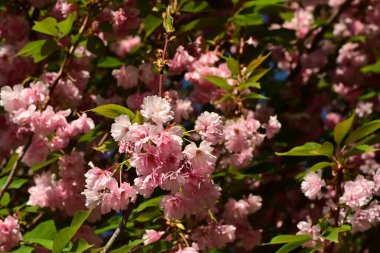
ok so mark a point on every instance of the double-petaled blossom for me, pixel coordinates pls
(103, 190)
(307, 228)
(10, 235)
(156, 109)
(357, 193)
(312, 184)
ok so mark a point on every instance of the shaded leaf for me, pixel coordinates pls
(314, 168)
(233, 66)
(65, 26)
(151, 22)
(341, 130)
(363, 131)
(127, 247)
(109, 62)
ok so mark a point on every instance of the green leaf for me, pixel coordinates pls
(195, 6)
(138, 118)
(168, 21)
(64, 235)
(250, 83)
(233, 66)
(255, 64)
(113, 111)
(334, 233)
(91, 135)
(80, 246)
(106, 146)
(112, 223)
(39, 49)
(314, 168)
(280, 239)
(46, 26)
(254, 95)
(95, 45)
(310, 149)
(363, 131)
(10, 163)
(23, 249)
(65, 26)
(257, 74)
(147, 216)
(375, 68)
(17, 182)
(247, 19)
(43, 234)
(341, 130)
(148, 203)
(51, 159)
(218, 81)
(127, 247)
(109, 62)
(291, 246)
(5, 199)
(151, 22)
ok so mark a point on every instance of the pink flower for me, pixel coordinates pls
(71, 165)
(214, 236)
(146, 74)
(12, 99)
(124, 46)
(37, 152)
(364, 219)
(307, 228)
(333, 119)
(175, 206)
(209, 126)
(152, 236)
(182, 109)
(120, 128)
(187, 250)
(312, 184)
(10, 235)
(272, 127)
(357, 193)
(96, 178)
(301, 22)
(254, 203)
(127, 77)
(202, 157)
(156, 109)
(180, 61)
(43, 193)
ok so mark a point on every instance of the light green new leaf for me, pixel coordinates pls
(148, 203)
(43, 234)
(291, 246)
(4, 201)
(23, 249)
(80, 246)
(280, 239)
(168, 21)
(17, 182)
(39, 49)
(233, 66)
(250, 83)
(218, 81)
(363, 131)
(334, 233)
(65, 26)
(341, 130)
(254, 95)
(310, 149)
(127, 247)
(113, 111)
(46, 26)
(314, 168)
(255, 63)
(375, 68)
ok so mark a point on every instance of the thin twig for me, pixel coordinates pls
(122, 224)
(66, 60)
(14, 168)
(163, 61)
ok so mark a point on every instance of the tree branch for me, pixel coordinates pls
(122, 224)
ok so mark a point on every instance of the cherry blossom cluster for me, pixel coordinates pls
(27, 110)
(9, 233)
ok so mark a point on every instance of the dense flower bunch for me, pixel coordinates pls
(189, 126)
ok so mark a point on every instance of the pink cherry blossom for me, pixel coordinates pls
(10, 235)
(156, 109)
(152, 236)
(312, 184)
(120, 128)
